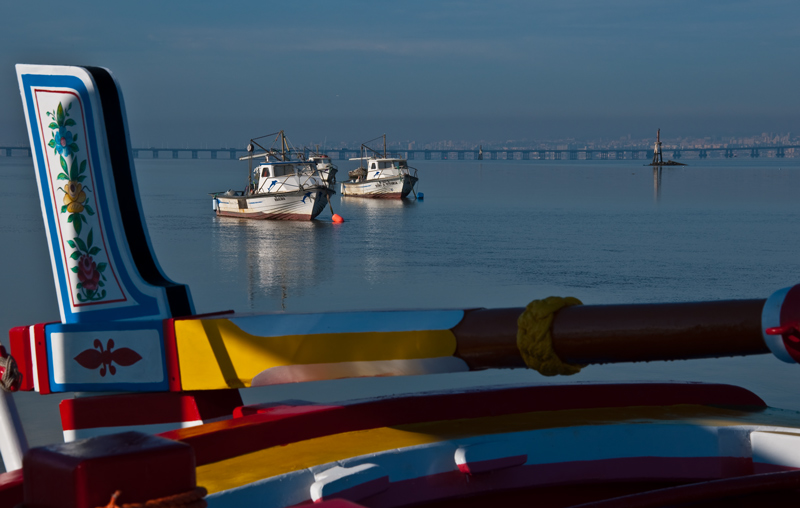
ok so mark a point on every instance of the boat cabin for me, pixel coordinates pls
(283, 177)
(320, 160)
(274, 170)
(386, 168)
(376, 169)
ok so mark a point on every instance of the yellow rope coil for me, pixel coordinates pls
(534, 340)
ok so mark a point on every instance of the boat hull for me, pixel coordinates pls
(303, 205)
(425, 448)
(397, 187)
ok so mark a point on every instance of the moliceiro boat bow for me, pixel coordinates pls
(283, 187)
(176, 429)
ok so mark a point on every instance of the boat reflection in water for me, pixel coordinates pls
(382, 225)
(377, 204)
(282, 259)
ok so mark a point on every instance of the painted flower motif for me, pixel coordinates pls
(64, 140)
(74, 197)
(87, 273)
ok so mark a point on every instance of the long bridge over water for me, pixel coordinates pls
(488, 154)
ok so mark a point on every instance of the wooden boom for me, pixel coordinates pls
(596, 334)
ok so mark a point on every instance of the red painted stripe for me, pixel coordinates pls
(706, 491)
(279, 411)
(267, 216)
(171, 349)
(447, 486)
(146, 408)
(42, 372)
(11, 492)
(20, 344)
(274, 426)
(171, 356)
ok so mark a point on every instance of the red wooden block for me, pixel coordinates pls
(260, 426)
(11, 489)
(85, 473)
(20, 345)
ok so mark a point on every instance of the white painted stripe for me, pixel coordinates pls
(325, 371)
(486, 451)
(34, 365)
(771, 317)
(278, 325)
(779, 449)
(13, 443)
(336, 479)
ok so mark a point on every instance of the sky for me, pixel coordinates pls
(205, 73)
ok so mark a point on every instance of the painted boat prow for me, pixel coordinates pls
(126, 328)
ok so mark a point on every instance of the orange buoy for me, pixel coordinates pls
(337, 218)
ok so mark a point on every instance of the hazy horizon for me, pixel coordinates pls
(200, 74)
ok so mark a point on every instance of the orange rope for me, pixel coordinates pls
(190, 499)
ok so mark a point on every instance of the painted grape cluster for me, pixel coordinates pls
(64, 144)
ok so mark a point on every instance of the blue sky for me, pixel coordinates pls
(217, 73)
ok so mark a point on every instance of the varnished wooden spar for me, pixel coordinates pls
(594, 334)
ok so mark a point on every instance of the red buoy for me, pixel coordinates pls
(337, 218)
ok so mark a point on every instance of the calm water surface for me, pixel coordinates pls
(490, 234)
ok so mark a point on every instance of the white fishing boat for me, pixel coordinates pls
(280, 188)
(380, 176)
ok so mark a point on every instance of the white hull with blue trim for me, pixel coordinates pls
(381, 177)
(295, 205)
(279, 189)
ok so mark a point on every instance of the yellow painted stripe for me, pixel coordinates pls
(215, 353)
(278, 460)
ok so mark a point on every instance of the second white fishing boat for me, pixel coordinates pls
(327, 170)
(380, 176)
(280, 188)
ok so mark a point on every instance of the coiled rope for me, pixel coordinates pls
(534, 340)
(190, 499)
(10, 377)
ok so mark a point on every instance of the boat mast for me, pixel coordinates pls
(250, 166)
(283, 146)
(384, 146)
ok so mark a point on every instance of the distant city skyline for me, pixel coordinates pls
(205, 72)
(764, 139)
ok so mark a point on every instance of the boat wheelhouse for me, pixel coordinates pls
(380, 176)
(280, 188)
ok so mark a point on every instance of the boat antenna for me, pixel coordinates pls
(365, 147)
